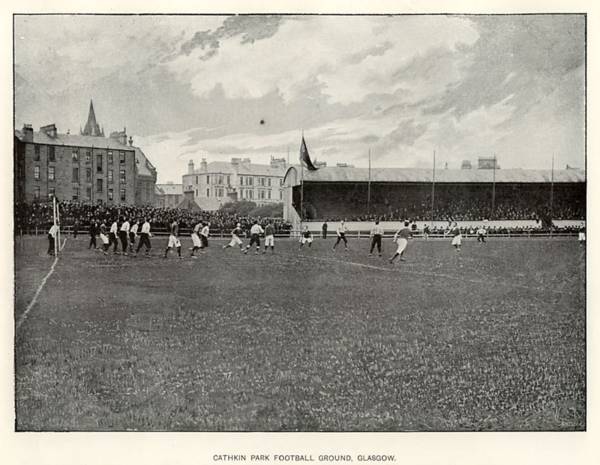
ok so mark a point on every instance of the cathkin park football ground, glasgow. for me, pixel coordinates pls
(491, 338)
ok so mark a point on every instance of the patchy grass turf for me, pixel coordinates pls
(492, 338)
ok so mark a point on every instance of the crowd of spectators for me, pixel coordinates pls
(456, 206)
(29, 216)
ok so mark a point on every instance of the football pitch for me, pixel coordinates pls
(491, 338)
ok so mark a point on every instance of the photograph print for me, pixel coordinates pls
(299, 223)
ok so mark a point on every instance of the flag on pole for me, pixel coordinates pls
(305, 157)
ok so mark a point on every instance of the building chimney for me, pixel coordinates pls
(191, 167)
(204, 165)
(130, 141)
(49, 130)
(27, 133)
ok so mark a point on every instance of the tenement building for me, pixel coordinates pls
(87, 167)
(216, 183)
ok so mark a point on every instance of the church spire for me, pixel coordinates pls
(92, 128)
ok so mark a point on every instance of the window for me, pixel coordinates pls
(36, 153)
(123, 194)
(220, 179)
(99, 185)
(250, 194)
(280, 195)
(88, 156)
(207, 179)
(109, 159)
(76, 193)
(269, 194)
(36, 172)
(110, 194)
(75, 174)
(51, 173)
(51, 153)
(196, 192)
(196, 179)
(51, 192)
(122, 158)
(269, 182)
(250, 181)
(88, 192)
(122, 177)
(208, 192)
(36, 192)
(220, 192)
(229, 180)
(280, 182)
(241, 180)
(75, 156)
(99, 163)
(110, 177)
(88, 174)
(262, 181)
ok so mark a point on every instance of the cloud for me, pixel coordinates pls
(250, 28)
(347, 57)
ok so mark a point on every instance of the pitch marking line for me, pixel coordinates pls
(426, 273)
(37, 293)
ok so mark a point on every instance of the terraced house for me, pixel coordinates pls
(87, 167)
(216, 183)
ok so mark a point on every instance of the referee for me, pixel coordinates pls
(376, 235)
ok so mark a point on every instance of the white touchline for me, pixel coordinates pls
(37, 293)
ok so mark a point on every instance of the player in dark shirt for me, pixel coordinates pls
(401, 238)
(306, 237)
(269, 237)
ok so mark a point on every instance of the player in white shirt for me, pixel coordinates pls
(341, 236)
(52, 232)
(145, 237)
(581, 235)
(255, 231)
(235, 238)
(204, 235)
(124, 235)
(481, 232)
(133, 235)
(197, 244)
(112, 236)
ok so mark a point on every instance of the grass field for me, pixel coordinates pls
(492, 338)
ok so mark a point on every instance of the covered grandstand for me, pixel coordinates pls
(392, 194)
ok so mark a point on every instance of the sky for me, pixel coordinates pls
(216, 87)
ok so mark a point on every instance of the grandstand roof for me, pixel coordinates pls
(336, 174)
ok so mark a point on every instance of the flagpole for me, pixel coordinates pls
(433, 191)
(301, 184)
(551, 194)
(493, 189)
(369, 187)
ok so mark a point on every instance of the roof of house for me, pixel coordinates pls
(75, 140)
(170, 189)
(189, 204)
(243, 168)
(336, 174)
(144, 167)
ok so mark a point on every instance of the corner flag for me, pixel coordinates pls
(305, 157)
